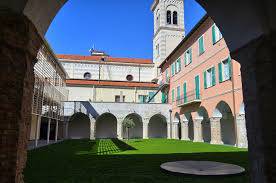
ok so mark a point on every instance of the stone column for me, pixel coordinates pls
(168, 130)
(120, 128)
(92, 129)
(19, 44)
(215, 130)
(56, 132)
(175, 130)
(48, 130)
(145, 128)
(184, 128)
(37, 130)
(241, 131)
(256, 70)
(198, 130)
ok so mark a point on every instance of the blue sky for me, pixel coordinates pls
(122, 28)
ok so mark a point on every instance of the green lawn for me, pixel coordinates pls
(114, 161)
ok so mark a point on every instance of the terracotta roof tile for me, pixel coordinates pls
(111, 83)
(108, 59)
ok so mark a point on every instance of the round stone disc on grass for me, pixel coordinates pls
(205, 168)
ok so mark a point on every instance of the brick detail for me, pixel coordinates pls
(18, 49)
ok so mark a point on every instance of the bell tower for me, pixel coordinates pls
(168, 27)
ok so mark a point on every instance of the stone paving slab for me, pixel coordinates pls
(203, 168)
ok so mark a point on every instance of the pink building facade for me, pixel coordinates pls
(204, 88)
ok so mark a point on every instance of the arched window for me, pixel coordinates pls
(87, 75)
(129, 77)
(175, 20)
(169, 17)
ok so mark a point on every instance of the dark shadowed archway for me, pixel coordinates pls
(106, 126)
(137, 131)
(178, 129)
(227, 125)
(157, 126)
(205, 124)
(190, 126)
(79, 126)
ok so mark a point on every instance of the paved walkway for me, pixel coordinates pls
(41, 143)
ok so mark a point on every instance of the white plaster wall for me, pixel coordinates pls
(109, 71)
(107, 94)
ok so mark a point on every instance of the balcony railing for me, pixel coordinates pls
(190, 98)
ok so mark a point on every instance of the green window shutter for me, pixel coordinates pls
(197, 88)
(185, 92)
(164, 98)
(220, 72)
(141, 99)
(201, 45)
(230, 67)
(214, 34)
(151, 94)
(172, 66)
(173, 95)
(205, 79)
(191, 55)
(213, 76)
(179, 64)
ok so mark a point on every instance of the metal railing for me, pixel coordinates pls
(190, 97)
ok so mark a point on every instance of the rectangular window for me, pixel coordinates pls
(216, 34)
(151, 94)
(164, 98)
(178, 93)
(209, 78)
(143, 98)
(178, 65)
(201, 48)
(172, 69)
(173, 95)
(225, 71)
(188, 56)
(118, 99)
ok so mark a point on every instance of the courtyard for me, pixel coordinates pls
(137, 160)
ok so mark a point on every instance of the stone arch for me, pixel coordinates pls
(106, 126)
(202, 114)
(157, 126)
(178, 121)
(79, 126)
(137, 131)
(227, 124)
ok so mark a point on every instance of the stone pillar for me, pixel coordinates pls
(215, 130)
(92, 129)
(256, 69)
(169, 130)
(48, 130)
(198, 130)
(120, 128)
(19, 44)
(175, 130)
(241, 131)
(184, 128)
(37, 130)
(56, 132)
(145, 128)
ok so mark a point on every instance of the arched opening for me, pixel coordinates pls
(227, 125)
(175, 18)
(178, 130)
(106, 126)
(169, 17)
(79, 126)
(137, 131)
(205, 124)
(157, 126)
(87, 75)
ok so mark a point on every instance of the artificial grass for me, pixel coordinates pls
(134, 161)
